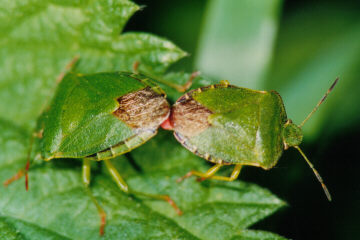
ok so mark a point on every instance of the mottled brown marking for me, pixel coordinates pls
(189, 117)
(143, 109)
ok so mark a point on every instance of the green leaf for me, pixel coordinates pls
(253, 235)
(42, 37)
(323, 45)
(237, 40)
(57, 204)
(11, 228)
(235, 205)
(8, 232)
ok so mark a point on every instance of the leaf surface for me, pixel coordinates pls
(57, 204)
(44, 36)
(255, 234)
(36, 45)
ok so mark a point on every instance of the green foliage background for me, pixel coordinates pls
(295, 48)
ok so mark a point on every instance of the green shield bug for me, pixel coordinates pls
(101, 116)
(229, 125)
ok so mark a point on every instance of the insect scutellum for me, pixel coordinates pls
(292, 137)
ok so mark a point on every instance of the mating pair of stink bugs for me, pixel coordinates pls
(104, 115)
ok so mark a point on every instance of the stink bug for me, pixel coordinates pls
(100, 116)
(229, 125)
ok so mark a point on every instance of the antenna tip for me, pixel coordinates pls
(327, 193)
(334, 83)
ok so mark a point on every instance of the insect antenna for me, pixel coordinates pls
(320, 102)
(327, 193)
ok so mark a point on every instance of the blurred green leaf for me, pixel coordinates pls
(314, 47)
(237, 40)
(39, 38)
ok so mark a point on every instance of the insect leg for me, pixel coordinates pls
(124, 187)
(25, 170)
(209, 173)
(86, 173)
(68, 68)
(232, 177)
(177, 87)
(116, 176)
(14, 178)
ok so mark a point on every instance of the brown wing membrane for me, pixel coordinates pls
(143, 109)
(189, 117)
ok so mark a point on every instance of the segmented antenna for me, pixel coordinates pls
(327, 193)
(320, 102)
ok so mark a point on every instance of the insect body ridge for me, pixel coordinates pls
(184, 142)
(124, 146)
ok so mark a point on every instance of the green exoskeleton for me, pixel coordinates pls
(100, 116)
(229, 125)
